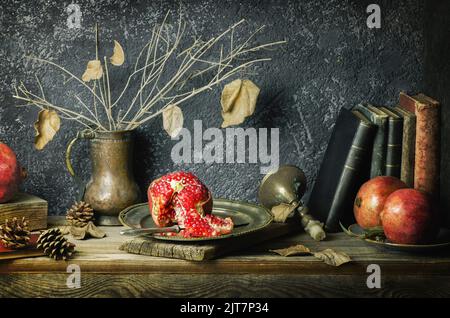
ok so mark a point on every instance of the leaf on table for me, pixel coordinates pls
(65, 229)
(93, 71)
(78, 233)
(293, 250)
(118, 56)
(173, 120)
(238, 101)
(332, 257)
(282, 211)
(89, 230)
(95, 231)
(46, 127)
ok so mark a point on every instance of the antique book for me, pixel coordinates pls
(427, 153)
(345, 166)
(409, 146)
(394, 142)
(378, 118)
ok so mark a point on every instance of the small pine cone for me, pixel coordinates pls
(80, 214)
(15, 234)
(55, 245)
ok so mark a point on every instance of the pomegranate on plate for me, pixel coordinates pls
(409, 218)
(11, 173)
(180, 197)
(370, 199)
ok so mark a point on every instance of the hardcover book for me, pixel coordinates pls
(378, 118)
(409, 146)
(427, 150)
(394, 142)
(345, 166)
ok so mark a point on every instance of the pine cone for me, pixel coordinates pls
(55, 245)
(15, 234)
(80, 214)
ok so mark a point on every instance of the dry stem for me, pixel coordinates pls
(152, 65)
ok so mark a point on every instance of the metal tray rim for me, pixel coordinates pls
(269, 220)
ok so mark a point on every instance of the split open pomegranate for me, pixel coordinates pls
(181, 198)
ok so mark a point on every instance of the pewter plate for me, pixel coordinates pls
(442, 241)
(257, 217)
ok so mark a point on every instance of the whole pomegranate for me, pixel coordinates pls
(11, 174)
(370, 199)
(408, 217)
(180, 197)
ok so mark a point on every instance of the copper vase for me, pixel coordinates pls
(111, 187)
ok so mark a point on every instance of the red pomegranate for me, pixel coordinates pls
(180, 197)
(408, 217)
(11, 174)
(370, 199)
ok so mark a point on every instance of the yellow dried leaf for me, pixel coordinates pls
(173, 120)
(238, 101)
(93, 71)
(281, 212)
(46, 127)
(118, 56)
(293, 250)
(333, 258)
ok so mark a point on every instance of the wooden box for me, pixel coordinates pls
(26, 205)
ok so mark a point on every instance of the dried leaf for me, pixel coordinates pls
(95, 231)
(238, 101)
(281, 212)
(173, 120)
(65, 229)
(78, 233)
(293, 250)
(89, 230)
(46, 127)
(118, 56)
(333, 258)
(93, 71)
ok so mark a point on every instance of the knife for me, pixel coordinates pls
(152, 230)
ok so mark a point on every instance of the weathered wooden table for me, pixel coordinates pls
(106, 271)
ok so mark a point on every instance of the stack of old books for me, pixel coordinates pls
(369, 141)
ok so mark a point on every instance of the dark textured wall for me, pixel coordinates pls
(332, 60)
(437, 82)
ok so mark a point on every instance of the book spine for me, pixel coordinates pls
(426, 171)
(408, 150)
(394, 147)
(379, 149)
(351, 178)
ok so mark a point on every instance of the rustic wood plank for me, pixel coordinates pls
(26, 205)
(220, 285)
(103, 256)
(108, 272)
(201, 251)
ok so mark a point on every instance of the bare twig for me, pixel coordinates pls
(158, 86)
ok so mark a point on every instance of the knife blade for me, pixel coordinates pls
(152, 230)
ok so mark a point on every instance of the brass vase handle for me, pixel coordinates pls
(85, 134)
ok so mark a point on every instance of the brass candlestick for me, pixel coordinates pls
(286, 186)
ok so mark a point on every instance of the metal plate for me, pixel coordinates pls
(257, 217)
(442, 241)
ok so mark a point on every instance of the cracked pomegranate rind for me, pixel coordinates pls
(181, 198)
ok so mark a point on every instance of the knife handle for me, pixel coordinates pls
(133, 232)
(313, 227)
